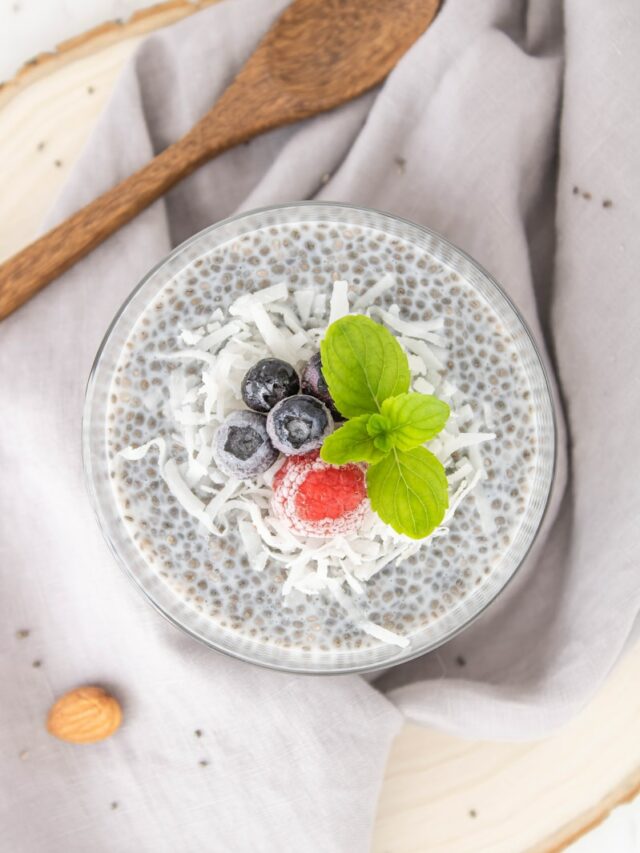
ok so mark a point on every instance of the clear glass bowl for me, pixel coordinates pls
(190, 256)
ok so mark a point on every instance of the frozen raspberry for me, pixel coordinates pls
(318, 499)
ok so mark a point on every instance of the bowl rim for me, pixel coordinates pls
(404, 655)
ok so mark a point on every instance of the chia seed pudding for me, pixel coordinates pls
(481, 360)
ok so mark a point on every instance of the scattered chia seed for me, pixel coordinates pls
(23, 633)
(36, 664)
(401, 164)
(461, 661)
(607, 203)
(586, 195)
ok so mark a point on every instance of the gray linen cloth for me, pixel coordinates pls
(512, 128)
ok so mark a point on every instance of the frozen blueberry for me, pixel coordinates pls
(242, 447)
(268, 382)
(299, 424)
(312, 382)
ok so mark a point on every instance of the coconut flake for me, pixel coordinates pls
(134, 453)
(420, 330)
(339, 304)
(383, 634)
(278, 342)
(187, 354)
(461, 473)
(183, 494)
(463, 415)
(423, 386)
(216, 504)
(355, 585)
(374, 292)
(303, 300)
(320, 307)
(256, 554)
(190, 337)
(449, 445)
(188, 418)
(275, 293)
(447, 389)
(417, 366)
(219, 336)
(290, 320)
(489, 420)
(366, 625)
(463, 490)
(420, 348)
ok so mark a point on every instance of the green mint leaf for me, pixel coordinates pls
(408, 490)
(414, 418)
(378, 425)
(351, 443)
(379, 428)
(384, 442)
(362, 364)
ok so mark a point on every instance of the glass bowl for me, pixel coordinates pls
(435, 597)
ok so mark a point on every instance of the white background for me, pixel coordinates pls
(28, 27)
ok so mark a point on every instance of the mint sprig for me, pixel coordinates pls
(362, 364)
(367, 374)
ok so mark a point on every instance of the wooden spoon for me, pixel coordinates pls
(318, 55)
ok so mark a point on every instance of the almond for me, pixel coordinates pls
(84, 715)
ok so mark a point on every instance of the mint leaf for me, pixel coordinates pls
(414, 418)
(362, 364)
(408, 490)
(351, 443)
(379, 428)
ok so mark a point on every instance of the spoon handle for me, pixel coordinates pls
(24, 274)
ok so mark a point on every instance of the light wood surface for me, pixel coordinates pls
(445, 794)
(440, 793)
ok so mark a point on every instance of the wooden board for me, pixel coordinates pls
(48, 110)
(440, 793)
(445, 794)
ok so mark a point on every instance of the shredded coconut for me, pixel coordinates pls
(339, 305)
(374, 292)
(271, 322)
(304, 303)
